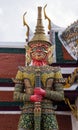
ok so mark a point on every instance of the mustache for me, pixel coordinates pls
(36, 51)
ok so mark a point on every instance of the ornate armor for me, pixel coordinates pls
(50, 82)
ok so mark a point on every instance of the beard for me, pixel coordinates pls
(39, 62)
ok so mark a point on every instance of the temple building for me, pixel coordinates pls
(65, 55)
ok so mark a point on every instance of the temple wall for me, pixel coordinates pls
(9, 121)
(10, 59)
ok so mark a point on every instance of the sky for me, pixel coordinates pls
(61, 12)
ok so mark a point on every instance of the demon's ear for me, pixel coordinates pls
(50, 51)
(28, 58)
(50, 54)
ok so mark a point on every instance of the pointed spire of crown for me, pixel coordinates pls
(39, 34)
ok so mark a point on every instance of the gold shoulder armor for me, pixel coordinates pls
(21, 68)
(19, 75)
(58, 74)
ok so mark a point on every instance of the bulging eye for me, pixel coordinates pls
(43, 49)
(34, 49)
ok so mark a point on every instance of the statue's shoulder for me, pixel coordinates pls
(27, 68)
(32, 69)
(21, 68)
(48, 68)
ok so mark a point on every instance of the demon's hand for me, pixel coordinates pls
(36, 98)
(39, 91)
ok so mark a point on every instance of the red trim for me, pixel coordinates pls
(66, 55)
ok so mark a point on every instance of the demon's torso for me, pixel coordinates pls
(48, 76)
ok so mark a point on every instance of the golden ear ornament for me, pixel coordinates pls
(50, 54)
(46, 17)
(28, 57)
(25, 24)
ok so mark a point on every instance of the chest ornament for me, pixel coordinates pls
(30, 76)
(46, 76)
